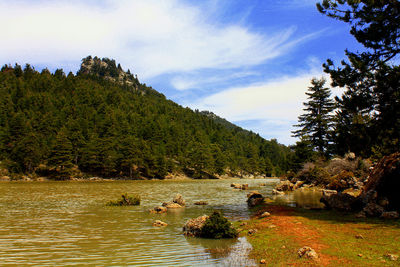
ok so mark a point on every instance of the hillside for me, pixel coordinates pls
(103, 121)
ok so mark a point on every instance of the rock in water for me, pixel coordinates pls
(201, 203)
(159, 223)
(179, 200)
(307, 252)
(159, 209)
(193, 226)
(171, 205)
(254, 198)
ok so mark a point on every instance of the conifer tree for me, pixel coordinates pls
(316, 122)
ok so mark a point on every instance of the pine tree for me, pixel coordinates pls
(61, 155)
(316, 123)
(368, 110)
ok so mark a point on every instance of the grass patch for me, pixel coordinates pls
(125, 200)
(340, 239)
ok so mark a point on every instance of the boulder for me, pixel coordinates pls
(236, 186)
(244, 187)
(298, 184)
(390, 215)
(341, 201)
(307, 252)
(254, 198)
(284, 186)
(373, 210)
(276, 192)
(159, 223)
(171, 205)
(201, 203)
(327, 192)
(179, 200)
(392, 257)
(159, 209)
(193, 226)
(383, 183)
(265, 214)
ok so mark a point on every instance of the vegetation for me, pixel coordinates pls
(317, 121)
(104, 122)
(367, 121)
(338, 238)
(217, 226)
(125, 200)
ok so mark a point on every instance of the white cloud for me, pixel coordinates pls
(269, 108)
(149, 36)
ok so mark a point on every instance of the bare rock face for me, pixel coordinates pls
(193, 226)
(254, 198)
(307, 252)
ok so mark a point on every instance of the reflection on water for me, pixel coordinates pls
(304, 198)
(67, 223)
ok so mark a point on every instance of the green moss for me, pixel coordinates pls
(125, 200)
(217, 226)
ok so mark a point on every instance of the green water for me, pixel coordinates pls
(67, 223)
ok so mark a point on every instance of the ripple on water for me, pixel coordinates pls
(68, 223)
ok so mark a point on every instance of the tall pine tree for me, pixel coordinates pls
(315, 124)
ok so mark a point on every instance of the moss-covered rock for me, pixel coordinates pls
(125, 200)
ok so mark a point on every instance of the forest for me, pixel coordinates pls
(104, 122)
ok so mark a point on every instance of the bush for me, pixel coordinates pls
(342, 181)
(315, 175)
(217, 226)
(125, 201)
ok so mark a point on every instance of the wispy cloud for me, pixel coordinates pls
(151, 37)
(269, 108)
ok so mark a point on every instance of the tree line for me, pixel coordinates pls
(103, 121)
(366, 118)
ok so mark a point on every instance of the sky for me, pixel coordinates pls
(248, 61)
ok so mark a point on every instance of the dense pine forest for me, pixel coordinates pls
(104, 122)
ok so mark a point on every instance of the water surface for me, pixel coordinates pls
(67, 223)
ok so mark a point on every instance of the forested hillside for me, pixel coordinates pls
(103, 121)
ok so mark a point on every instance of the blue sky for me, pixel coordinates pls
(247, 61)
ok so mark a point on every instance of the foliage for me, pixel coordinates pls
(108, 124)
(125, 200)
(316, 176)
(368, 117)
(217, 226)
(316, 122)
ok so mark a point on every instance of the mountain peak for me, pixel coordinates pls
(108, 69)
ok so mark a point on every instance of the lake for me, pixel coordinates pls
(68, 223)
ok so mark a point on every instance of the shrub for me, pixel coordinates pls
(315, 175)
(125, 200)
(217, 226)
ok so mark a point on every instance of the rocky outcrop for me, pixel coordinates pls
(379, 197)
(193, 226)
(383, 184)
(254, 198)
(307, 252)
(340, 201)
